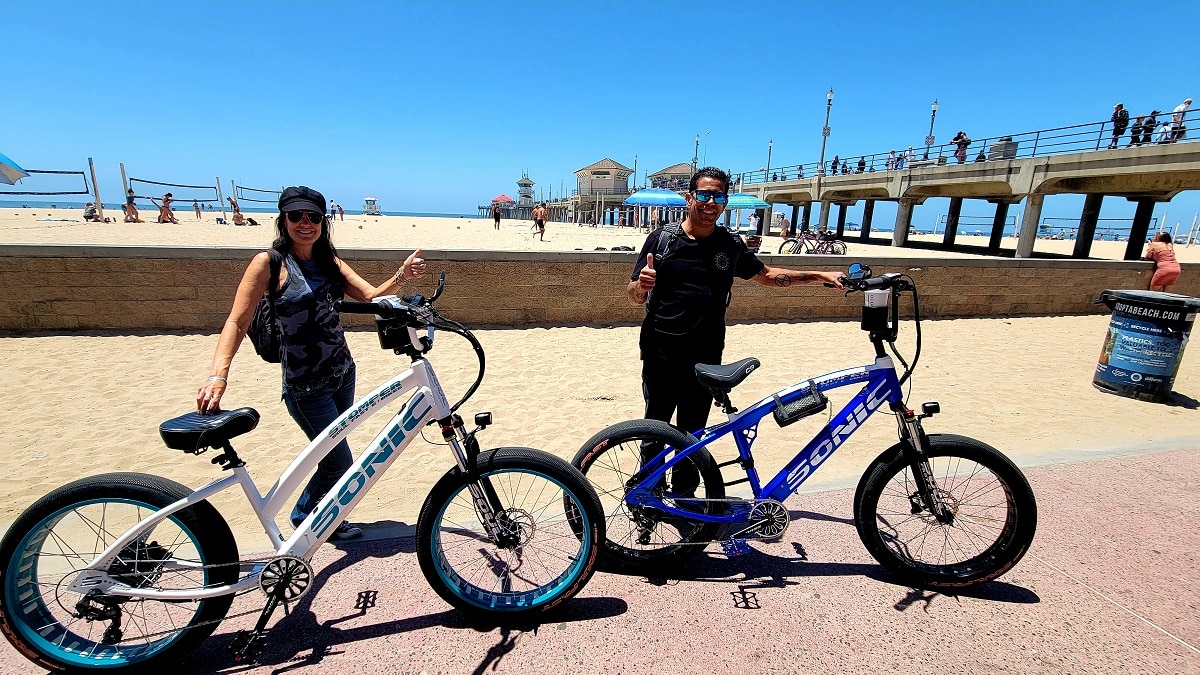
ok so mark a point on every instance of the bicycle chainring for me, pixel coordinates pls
(286, 577)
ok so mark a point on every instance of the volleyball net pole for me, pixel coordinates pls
(221, 198)
(124, 181)
(96, 190)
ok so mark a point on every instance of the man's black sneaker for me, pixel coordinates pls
(346, 531)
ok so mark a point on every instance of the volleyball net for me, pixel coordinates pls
(255, 195)
(50, 184)
(146, 189)
(1106, 228)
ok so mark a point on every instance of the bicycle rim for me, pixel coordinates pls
(44, 611)
(982, 504)
(546, 560)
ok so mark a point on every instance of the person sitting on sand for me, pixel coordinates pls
(165, 214)
(90, 214)
(1166, 269)
(318, 371)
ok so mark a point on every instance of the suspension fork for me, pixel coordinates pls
(916, 445)
(483, 494)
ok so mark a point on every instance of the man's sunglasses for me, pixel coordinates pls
(297, 216)
(717, 197)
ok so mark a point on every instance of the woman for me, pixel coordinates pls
(962, 142)
(1166, 269)
(165, 214)
(318, 371)
(131, 212)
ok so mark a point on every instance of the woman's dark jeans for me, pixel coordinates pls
(314, 406)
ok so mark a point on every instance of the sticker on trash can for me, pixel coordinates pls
(1137, 347)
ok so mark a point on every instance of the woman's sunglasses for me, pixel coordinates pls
(717, 197)
(297, 216)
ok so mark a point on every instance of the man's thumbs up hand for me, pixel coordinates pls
(645, 280)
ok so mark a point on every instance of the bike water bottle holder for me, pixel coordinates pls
(810, 404)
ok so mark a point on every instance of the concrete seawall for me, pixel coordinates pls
(80, 287)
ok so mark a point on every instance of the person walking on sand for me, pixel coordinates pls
(539, 221)
(131, 212)
(196, 208)
(1120, 121)
(685, 309)
(497, 213)
(318, 370)
(165, 214)
(1166, 268)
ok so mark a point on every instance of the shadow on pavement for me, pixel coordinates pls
(300, 630)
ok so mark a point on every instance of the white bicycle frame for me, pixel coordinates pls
(428, 402)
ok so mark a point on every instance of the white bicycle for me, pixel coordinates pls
(127, 571)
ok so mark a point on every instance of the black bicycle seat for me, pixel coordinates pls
(726, 377)
(193, 432)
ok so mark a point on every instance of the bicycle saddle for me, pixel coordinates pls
(726, 377)
(193, 432)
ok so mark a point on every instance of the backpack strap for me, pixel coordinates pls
(670, 232)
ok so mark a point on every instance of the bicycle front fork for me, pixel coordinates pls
(489, 509)
(916, 450)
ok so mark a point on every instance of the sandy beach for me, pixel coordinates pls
(67, 226)
(82, 404)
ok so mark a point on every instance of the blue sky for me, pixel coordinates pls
(438, 106)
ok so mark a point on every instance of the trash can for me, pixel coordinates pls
(1145, 342)
(1004, 148)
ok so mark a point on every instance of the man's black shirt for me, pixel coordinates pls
(685, 313)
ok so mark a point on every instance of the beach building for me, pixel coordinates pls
(599, 190)
(520, 209)
(674, 177)
(371, 206)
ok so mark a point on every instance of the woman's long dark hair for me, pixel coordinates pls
(323, 249)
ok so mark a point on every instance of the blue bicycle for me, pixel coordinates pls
(939, 511)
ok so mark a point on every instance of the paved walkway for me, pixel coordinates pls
(1111, 584)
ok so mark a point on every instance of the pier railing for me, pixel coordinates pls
(1041, 143)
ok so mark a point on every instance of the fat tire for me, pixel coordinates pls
(211, 536)
(576, 490)
(789, 245)
(1010, 545)
(714, 488)
(837, 248)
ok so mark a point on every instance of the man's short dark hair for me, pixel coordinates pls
(709, 172)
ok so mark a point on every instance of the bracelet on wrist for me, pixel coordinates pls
(216, 378)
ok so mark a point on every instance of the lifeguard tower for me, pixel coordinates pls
(371, 207)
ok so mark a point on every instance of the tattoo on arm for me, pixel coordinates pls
(783, 280)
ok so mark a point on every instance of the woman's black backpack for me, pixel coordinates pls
(264, 330)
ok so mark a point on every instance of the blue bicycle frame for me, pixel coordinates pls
(881, 386)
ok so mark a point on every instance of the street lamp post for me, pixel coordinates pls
(767, 171)
(825, 131)
(929, 138)
(696, 154)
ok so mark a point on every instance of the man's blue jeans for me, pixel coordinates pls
(314, 407)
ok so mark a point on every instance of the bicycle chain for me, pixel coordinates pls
(212, 621)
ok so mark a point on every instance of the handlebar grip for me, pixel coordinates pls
(413, 299)
(352, 307)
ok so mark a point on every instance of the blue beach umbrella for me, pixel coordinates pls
(10, 173)
(655, 197)
(741, 200)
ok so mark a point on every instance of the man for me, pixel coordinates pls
(539, 221)
(497, 212)
(1177, 128)
(683, 275)
(1120, 122)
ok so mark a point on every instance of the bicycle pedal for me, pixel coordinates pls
(247, 646)
(734, 547)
